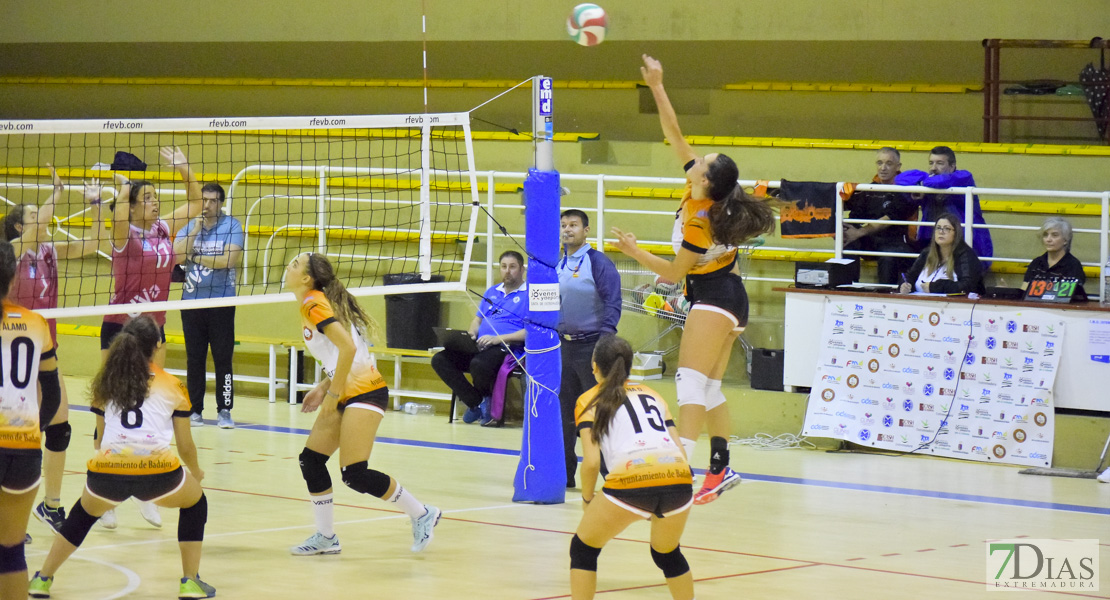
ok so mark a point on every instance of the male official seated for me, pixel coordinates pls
(883, 206)
(498, 323)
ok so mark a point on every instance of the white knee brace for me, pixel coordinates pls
(714, 397)
(690, 386)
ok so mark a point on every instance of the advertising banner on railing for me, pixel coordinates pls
(961, 381)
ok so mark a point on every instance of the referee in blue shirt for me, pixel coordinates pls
(590, 289)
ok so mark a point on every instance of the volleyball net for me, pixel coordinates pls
(378, 195)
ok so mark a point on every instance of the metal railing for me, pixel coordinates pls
(600, 210)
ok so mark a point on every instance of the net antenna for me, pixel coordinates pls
(376, 194)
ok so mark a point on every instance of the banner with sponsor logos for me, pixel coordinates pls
(955, 380)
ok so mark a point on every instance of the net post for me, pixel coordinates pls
(322, 212)
(541, 472)
(426, 202)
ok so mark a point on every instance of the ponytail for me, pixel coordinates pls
(613, 357)
(735, 216)
(346, 308)
(124, 380)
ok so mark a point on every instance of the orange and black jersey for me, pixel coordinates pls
(24, 343)
(638, 450)
(693, 232)
(316, 314)
(138, 441)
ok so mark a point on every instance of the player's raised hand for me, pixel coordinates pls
(652, 71)
(626, 241)
(54, 175)
(92, 190)
(172, 156)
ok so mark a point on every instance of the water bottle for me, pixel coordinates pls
(413, 408)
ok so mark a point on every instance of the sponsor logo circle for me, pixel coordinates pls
(1040, 419)
(873, 365)
(1019, 435)
(915, 335)
(934, 319)
(827, 395)
(853, 381)
(999, 451)
(894, 350)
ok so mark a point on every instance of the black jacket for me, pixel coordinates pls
(969, 272)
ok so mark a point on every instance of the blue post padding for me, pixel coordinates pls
(541, 474)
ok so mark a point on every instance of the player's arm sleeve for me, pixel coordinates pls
(182, 406)
(320, 315)
(608, 282)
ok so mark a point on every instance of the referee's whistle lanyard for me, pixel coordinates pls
(566, 257)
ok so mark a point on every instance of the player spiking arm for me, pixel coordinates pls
(652, 71)
(675, 270)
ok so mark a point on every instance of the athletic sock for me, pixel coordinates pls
(324, 511)
(407, 502)
(718, 454)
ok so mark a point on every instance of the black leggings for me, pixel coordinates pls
(204, 327)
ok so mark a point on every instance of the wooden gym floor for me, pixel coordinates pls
(805, 524)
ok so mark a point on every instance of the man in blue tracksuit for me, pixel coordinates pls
(590, 290)
(944, 174)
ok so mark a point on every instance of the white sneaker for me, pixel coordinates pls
(223, 420)
(318, 543)
(1105, 477)
(149, 511)
(423, 526)
(108, 520)
(195, 420)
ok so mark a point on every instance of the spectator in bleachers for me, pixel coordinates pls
(497, 327)
(882, 206)
(943, 174)
(1057, 261)
(948, 265)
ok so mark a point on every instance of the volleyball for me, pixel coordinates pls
(587, 24)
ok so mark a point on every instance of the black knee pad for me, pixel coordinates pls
(672, 563)
(314, 469)
(77, 525)
(57, 437)
(190, 521)
(12, 559)
(583, 557)
(365, 480)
